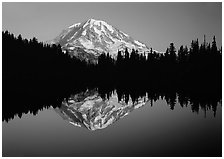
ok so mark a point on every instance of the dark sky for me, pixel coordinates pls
(155, 24)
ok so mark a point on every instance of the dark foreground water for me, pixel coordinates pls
(88, 125)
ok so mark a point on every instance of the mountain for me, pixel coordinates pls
(94, 37)
(89, 110)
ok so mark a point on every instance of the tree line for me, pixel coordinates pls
(33, 59)
(199, 65)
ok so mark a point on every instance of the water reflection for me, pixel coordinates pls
(96, 108)
(88, 109)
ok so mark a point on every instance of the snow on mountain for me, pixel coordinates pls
(94, 37)
(74, 25)
(89, 110)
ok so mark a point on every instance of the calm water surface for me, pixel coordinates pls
(145, 131)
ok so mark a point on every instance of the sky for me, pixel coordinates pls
(155, 24)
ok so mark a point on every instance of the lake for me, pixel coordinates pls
(87, 124)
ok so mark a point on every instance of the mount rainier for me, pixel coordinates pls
(91, 38)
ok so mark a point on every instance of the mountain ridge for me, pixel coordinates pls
(93, 37)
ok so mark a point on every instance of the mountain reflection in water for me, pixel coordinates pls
(93, 110)
(164, 118)
(88, 109)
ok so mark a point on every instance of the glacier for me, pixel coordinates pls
(96, 35)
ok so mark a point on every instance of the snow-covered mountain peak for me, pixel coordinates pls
(94, 37)
(99, 25)
(94, 22)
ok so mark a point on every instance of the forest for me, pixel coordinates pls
(40, 74)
